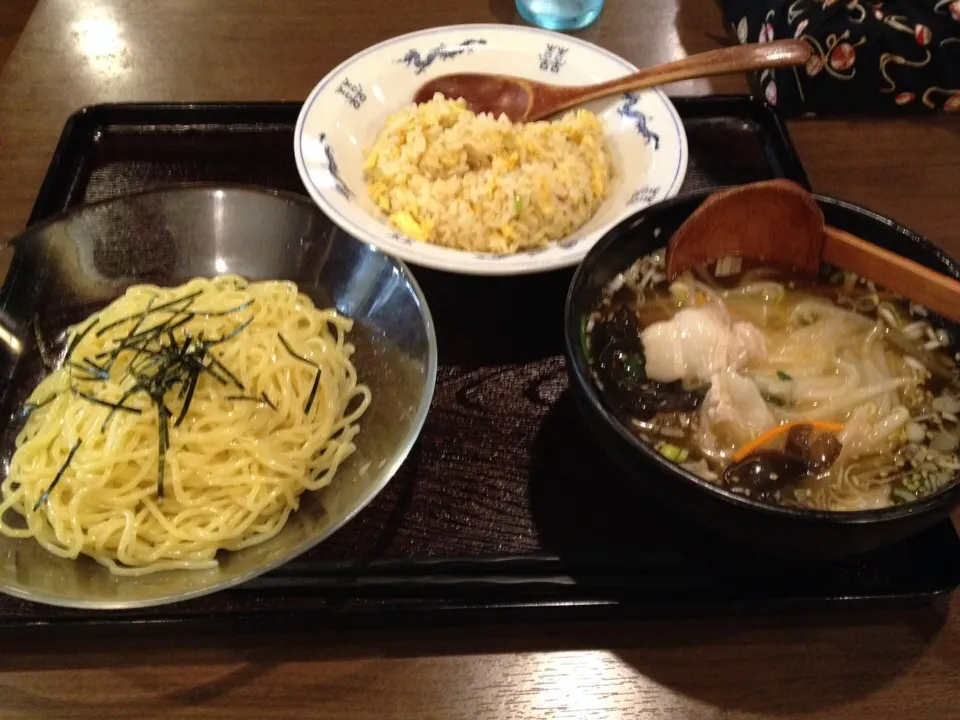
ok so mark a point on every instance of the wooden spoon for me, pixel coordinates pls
(527, 100)
(780, 223)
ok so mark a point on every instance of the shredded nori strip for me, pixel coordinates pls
(236, 331)
(115, 353)
(106, 403)
(160, 363)
(56, 479)
(163, 415)
(311, 363)
(123, 397)
(186, 403)
(149, 311)
(94, 373)
(301, 358)
(221, 366)
(30, 407)
(231, 311)
(145, 364)
(313, 393)
(100, 370)
(162, 404)
(262, 400)
(217, 376)
(78, 337)
(155, 331)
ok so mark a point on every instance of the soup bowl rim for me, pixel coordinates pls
(945, 497)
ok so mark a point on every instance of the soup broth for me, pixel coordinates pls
(825, 393)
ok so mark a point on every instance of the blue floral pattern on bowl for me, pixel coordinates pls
(629, 110)
(441, 52)
(334, 171)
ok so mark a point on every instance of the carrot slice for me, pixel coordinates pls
(774, 433)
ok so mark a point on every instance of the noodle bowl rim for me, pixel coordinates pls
(388, 472)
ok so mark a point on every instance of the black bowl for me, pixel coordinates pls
(797, 533)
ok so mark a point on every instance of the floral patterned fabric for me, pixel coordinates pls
(868, 57)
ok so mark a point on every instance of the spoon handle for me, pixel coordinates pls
(741, 58)
(938, 293)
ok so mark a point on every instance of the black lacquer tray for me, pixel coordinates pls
(505, 507)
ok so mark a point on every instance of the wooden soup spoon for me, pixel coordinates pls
(527, 100)
(780, 223)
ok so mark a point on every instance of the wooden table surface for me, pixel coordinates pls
(878, 666)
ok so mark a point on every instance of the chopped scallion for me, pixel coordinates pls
(670, 452)
(904, 495)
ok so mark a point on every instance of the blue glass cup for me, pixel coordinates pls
(560, 14)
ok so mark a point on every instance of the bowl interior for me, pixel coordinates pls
(65, 269)
(649, 230)
(347, 110)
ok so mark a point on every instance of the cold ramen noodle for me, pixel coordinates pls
(184, 421)
(825, 393)
(444, 175)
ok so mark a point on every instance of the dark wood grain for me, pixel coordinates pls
(875, 666)
(13, 18)
(904, 169)
(880, 666)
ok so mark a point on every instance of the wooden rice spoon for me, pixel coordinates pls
(528, 100)
(780, 223)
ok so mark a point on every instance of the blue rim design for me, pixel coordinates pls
(640, 120)
(353, 92)
(441, 52)
(645, 194)
(553, 58)
(355, 229)
(340, 186)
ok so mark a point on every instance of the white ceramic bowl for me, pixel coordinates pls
(347, 109)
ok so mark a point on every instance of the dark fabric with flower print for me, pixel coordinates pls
(889, 56)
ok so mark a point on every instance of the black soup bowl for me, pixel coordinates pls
(778, 531)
